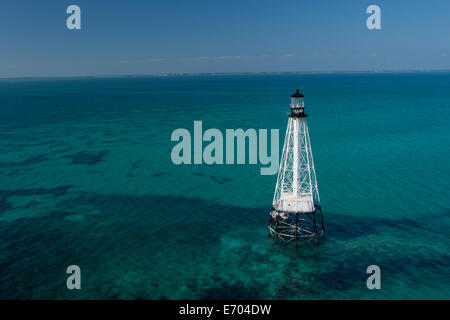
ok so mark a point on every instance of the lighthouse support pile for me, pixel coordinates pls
(296, 211)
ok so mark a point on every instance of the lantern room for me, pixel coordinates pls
(297, 105)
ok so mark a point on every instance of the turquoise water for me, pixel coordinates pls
(86, 178)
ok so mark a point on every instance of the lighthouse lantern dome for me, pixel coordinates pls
(297, 105)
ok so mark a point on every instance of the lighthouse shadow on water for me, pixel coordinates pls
(296, 214)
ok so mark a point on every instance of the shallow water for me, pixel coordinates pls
(86, 178)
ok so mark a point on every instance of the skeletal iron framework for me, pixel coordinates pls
(296, 211)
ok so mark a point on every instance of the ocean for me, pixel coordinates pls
(86, 179)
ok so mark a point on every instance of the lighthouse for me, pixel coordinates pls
(296, 211)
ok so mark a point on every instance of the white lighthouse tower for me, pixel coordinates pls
(296, 211)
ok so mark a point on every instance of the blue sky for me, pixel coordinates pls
(147, 37)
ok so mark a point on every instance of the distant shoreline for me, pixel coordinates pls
(197, 74)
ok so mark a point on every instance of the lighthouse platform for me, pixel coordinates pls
(290, 202)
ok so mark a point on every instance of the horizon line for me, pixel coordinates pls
(187, 74)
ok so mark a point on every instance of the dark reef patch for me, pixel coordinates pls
(346, 227)
(135, 164)
(125, 224)
(26, 162)
(354, 265)
(130, 227)
(5, 205)
(198, 174)
(87, 157)
(57, 191)
(219, 180)
(5, 194)
(32, 204)
(160, 174)
(213, 178)
(216, 180)
(226, 291)
(38, 144)
(131, 142)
